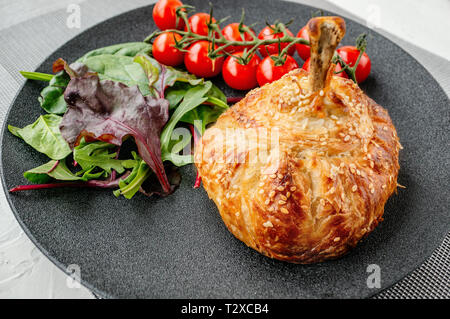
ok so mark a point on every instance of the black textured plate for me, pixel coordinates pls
(179, 247)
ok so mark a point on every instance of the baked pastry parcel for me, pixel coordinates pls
(301, 168)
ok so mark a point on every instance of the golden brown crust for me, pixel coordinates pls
(322, 189)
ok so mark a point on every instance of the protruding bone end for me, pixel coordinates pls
(325, 33)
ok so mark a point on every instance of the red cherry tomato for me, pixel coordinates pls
(268, 72)
(164, 15)
(350, 54)
(238, 76)
(303, 50)
(267, 34)
(337, 69)
(164, 49)
(199, 23)
(197, 61)
(231, 33)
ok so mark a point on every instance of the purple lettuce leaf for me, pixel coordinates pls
(111, 111)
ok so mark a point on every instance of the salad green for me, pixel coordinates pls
(105, 97)
(44, 136)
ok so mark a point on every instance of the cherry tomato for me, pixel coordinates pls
(337, 69)
(198, 23)
(197, 61)
(164, 15)
(303, 50)
(231, 33)
(350, 54)
(268, 72)
(267, 34)
(238, 76)
(164, 49)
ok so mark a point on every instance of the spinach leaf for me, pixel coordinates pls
(52, 97)
(177, 159)
(151, 68)
(119, 68)
(52, 170)
(201, 116)
(193, 98)
(96, 154)
(116, 63)
(180, 140)
(206, 113)
(129, 49)
(44, 136)
(58, 170)
(126, 63)
(161, 76)
(188, 102)
(149, 75)
(176, 93)
(217, 97)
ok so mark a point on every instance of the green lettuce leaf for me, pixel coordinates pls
(97, 155)
(58, 170)
(201, 116)
(187, 101)
(44, 136)
(129, 186)
(51, 98)
(161, 76)
(129, 49)
(126, 71)
(194, 97)
(50, 171)
(110, 111)
(119, 68)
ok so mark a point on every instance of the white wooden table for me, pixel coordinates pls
(24, 271)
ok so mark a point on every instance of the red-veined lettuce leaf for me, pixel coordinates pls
(110, 111)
